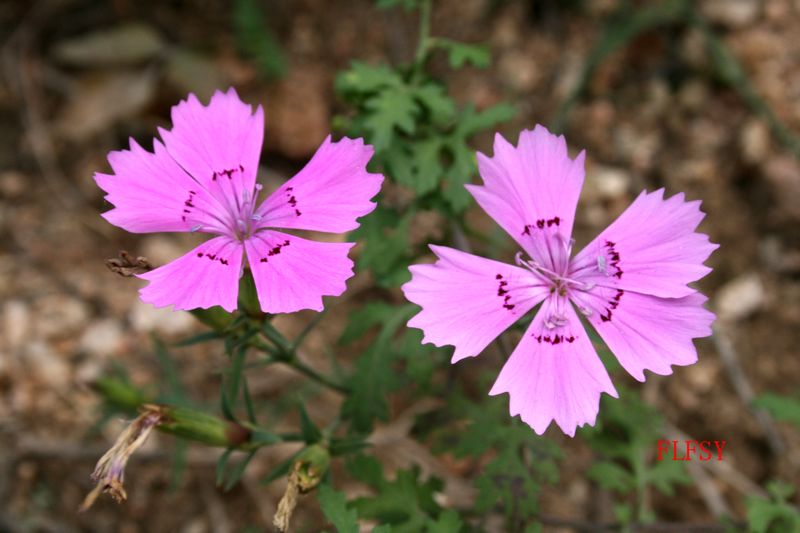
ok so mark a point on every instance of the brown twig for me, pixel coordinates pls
(705, 485)
(727, 354)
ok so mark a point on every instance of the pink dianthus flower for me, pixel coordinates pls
(203, 179)
(630, 284)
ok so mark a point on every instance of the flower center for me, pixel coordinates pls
(245, 220)
(561, 286)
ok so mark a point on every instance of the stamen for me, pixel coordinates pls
(601, 264)
(195, 228)
(555, 321)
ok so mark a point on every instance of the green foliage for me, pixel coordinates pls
(406, 503)
(521, 462)
(374, 375)
(784, 408)
(461, 54)
(387, 252)
(256, 39)
(334, 507)
(625, 436)
(773, 515)
(421, 139)
(419, 134)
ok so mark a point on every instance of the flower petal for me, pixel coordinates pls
(218, 144)
(651, 248)
(151, 193)
(532, 190)
(205, 277)
(329, 193)
(554, 373)
(293, 273)
(467, 301)
(646, 332)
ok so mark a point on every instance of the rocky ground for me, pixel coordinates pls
(652, 115)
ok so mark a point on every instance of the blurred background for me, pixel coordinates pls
(711, 109)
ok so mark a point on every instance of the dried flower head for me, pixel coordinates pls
(109, 473)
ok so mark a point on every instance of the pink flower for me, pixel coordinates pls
(203, 178)
(630, 283)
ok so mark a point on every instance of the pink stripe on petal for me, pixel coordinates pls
(531, 190)
(646, 332)
(293, 273)
(651, 248)
(152, 193)
(218, 144)
(550, 377)
(467, 301)
(205, 277)
(329, 193)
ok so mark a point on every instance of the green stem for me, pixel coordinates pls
(306, 370)
(641, 487)
(423, 44)
(286, 352)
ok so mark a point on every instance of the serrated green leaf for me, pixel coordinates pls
(508, 480)
(764, 516)
(391, 110)
(334, 506)
(521, 461)
(421, 360)
(448, 522)
(666, 475)
(417, 165)
(406, 503)
(459, 54)
(364, 79)
(371, 381)
(462, 168)
(384, 233)
(611, 476)
(623, 512)
(784, 408)
(363, 319)
(471, 121)
(367, 469)
(780, 491)
(435, 100)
